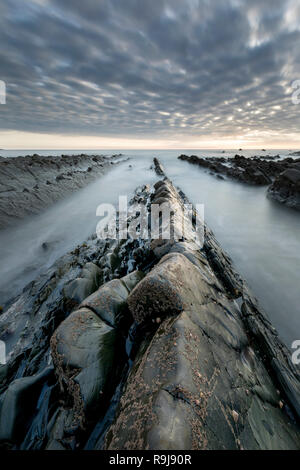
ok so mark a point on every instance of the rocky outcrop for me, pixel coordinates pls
(91, 278)
(88, 350)
(32, 183)
(203, 380)
(31, 319)
(109, 302)
(169, 350)
(18, 405)
(295, 154)
(158, 168)
(286, 187)
(259, 171)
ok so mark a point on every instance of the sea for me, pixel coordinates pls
(261, 236)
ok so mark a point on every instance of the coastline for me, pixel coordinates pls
(281, 176)
(69, 296)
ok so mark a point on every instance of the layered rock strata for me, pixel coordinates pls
(146, 344)
(32, 183)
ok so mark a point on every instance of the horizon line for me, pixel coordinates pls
(151, 149)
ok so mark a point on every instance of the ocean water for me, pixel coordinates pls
(261, 236)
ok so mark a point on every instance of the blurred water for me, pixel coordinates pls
(261, 236)
(63, 226)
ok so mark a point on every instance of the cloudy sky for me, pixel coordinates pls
(149, 73)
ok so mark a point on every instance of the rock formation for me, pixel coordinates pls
(32, 183)
(158, 168)
(286, 187)
(168, 350)
(209, 377)
(282, 176)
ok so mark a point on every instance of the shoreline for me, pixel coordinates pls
(281, 176)
(137, 322)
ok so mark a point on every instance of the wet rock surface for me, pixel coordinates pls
(168, 350)
(259, 171)
(282, 176)
(32, 183)
(209, 377)
(286, 187)
(158, 168)
(57, 419)
(295, 154)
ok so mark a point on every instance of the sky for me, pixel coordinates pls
(149, 73)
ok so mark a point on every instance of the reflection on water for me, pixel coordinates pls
(261, 236)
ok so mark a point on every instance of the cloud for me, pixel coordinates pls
(150, 68)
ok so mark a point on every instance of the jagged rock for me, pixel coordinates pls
(207, 369)
(295, 153)
(276, 356)
(165, 290)
(32, 183)
(80, 288)
(286, 188)
(18, 405)
(204, 381)
(182, 392)
(57, 427)
(87, 347)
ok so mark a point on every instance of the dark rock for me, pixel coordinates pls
(159, 169)
(109, 302)
(45, 179)
(286, 188)
(295, 154)
(159, 294)
(88, 349)
(80, 288)
(205, 380)
(85, 354)
(255, 171)
(174, 397)
(206, 368)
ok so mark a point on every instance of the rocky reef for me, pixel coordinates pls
(158, 168)
(280, 175)
(32, 183)
(295, 154)
(145, 344)
(286, 187)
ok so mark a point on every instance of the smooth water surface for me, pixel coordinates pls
(261, 236)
